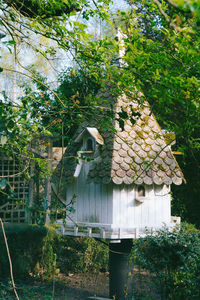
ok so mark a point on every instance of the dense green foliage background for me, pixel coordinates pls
(170, 259)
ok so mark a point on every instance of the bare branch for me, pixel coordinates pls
(9, 258)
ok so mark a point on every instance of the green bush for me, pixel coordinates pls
(30, 249)
(38, 250)
(81, 255)
(173, 259)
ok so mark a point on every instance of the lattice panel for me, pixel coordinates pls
(14, 211)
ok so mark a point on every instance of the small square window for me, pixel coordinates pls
(141, 191)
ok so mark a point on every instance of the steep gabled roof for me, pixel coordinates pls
(138, 153)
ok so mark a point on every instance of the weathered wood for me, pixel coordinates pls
(31, 188)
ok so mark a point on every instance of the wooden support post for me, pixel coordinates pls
(30, 194)
(89, 231)
(75, 230)
(121, 270)
(48, 181)
(103, 234)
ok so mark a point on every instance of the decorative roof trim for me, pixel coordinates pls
(94, 133)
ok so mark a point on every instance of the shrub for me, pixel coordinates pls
(30, 249)
(38, 250)
(81, 254)
(173, 259)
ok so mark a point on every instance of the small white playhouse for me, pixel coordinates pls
(120, 179)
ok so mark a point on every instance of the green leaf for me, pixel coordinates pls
(12, 42)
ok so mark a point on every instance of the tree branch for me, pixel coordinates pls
(9, 258)
(40, 82)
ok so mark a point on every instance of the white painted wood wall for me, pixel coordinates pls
(115, 206)
(94, 201)
(153, 212)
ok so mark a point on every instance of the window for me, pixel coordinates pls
(140, 194)
(141, 191)
(90, 145)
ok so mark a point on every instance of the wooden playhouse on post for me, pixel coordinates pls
(121, 178)
(118, 181)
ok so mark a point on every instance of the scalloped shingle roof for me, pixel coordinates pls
(137, 154)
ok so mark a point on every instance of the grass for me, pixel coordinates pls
(26, 290)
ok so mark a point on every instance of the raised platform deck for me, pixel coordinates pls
(107, 231)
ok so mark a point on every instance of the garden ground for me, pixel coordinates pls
(75, 287)
(71, 287)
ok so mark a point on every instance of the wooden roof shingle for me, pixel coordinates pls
(137, 153)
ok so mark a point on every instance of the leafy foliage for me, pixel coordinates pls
(30, 249)
(26, 290)
(39, 252)
(81, 255)
(43, 9)
(163, 54)
(173, 260)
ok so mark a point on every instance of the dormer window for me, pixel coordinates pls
(90, 137)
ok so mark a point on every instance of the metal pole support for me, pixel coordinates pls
(121, 270)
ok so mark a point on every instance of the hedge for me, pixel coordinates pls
(30, 249)
(38, 251)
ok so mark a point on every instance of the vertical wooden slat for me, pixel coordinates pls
(75, 230)
(102, 233)
(89, 231)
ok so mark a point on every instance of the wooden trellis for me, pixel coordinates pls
(13, 211)
(27, 192)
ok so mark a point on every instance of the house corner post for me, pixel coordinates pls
(121, 270)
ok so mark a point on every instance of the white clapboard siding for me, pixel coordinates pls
(94, 201)
(127, 212)
(115, 208)
(162, 204)
(130, 205)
